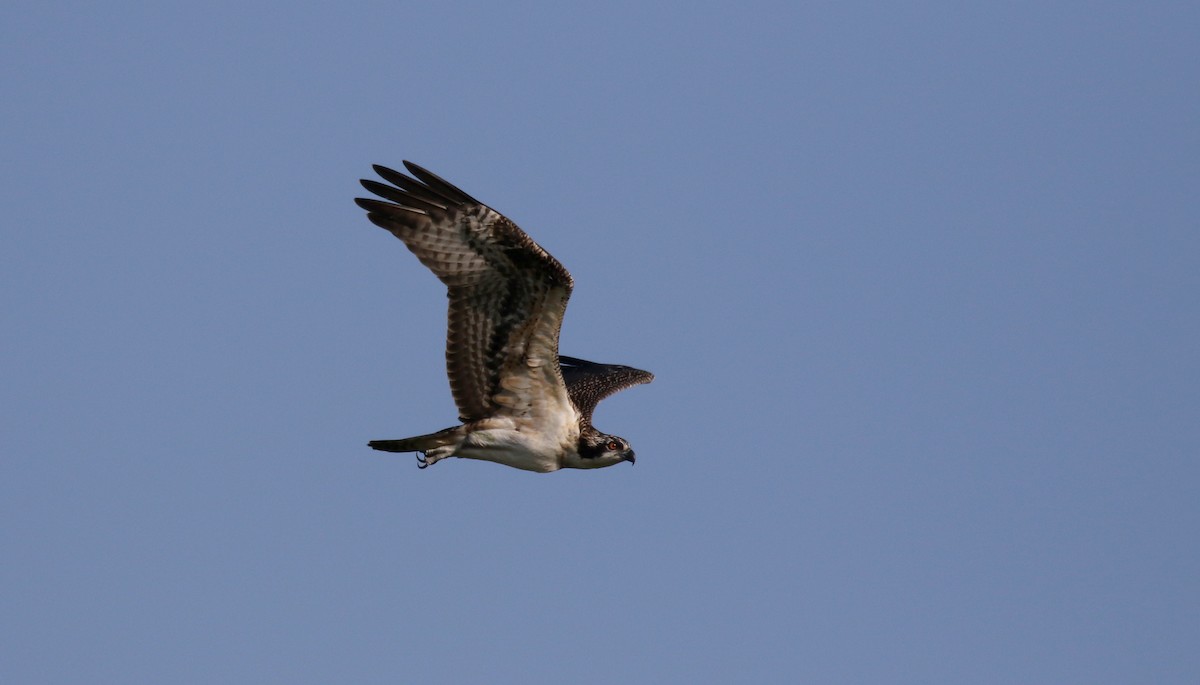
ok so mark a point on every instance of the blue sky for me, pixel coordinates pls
(919, 283)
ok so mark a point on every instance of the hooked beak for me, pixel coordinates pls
(629, 457)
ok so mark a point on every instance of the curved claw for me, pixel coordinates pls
(422, 463)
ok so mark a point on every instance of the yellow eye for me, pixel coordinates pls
(612, 445)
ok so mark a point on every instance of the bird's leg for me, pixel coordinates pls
(422, 462)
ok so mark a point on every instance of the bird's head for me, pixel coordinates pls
(597, 450)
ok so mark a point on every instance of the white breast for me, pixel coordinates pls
(523, 444)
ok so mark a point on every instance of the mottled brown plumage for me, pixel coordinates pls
(589, 382)
(507, 300)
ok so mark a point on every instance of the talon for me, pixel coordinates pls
(422, 462)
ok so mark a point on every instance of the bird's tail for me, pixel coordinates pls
(420, 443)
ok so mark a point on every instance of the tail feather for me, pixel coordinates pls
(420, 443)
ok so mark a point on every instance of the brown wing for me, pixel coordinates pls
(507, 294)
(589, 382)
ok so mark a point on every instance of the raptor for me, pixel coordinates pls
(520, 402)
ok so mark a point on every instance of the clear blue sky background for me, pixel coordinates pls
(920, 283)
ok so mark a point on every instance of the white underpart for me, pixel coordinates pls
(532, 450)
(539, 440)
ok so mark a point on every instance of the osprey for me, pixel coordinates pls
(521, 404)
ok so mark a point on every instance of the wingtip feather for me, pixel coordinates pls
(385, 208)
(438, 184)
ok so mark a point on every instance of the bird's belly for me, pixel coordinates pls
(522, 450)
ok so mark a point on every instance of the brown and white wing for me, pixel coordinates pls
(507, 294)
(589, 382)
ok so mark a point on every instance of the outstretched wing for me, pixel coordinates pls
(589, 382)
(507, 294)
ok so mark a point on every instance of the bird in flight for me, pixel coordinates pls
(520, 402)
